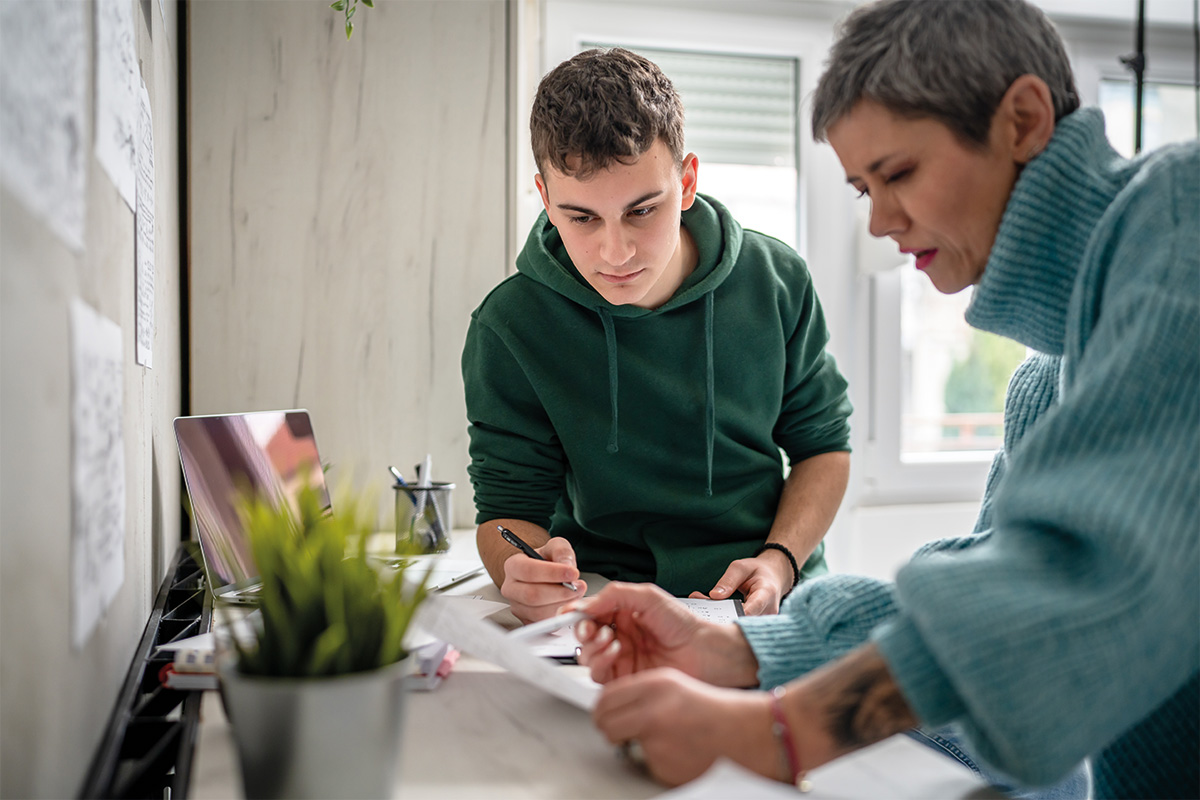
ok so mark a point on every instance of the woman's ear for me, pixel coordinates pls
(1028, 111)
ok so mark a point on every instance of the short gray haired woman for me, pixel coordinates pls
(1066, 628)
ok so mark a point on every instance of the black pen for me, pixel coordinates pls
(517, 542)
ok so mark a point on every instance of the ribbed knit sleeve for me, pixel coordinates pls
(823, 619)
(1076, 619)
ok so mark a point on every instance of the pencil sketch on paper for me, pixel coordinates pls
(97, 469)
(116, 94)
(43, 122)
(144, 277)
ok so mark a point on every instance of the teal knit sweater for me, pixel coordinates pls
(1071, 626)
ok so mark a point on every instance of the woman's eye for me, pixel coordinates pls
(895, 176)
(863, 192)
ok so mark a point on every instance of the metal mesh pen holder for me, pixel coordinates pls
(423, 521)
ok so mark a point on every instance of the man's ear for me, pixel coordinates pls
(541, 187)
(688, 174)
(1028, 110)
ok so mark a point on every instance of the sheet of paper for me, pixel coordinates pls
(144, 278)
(726, 779)
(470, 605)
(712, 610)
(116, 94)
(43, 118)
(97, 468)
(896, 768)
(482, 639)
(562, 643)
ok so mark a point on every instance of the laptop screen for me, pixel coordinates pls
(269, 453)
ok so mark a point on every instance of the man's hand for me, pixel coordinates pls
(762, 581)
(636, 627)
(535, 588)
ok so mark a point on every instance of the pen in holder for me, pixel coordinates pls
(423, 518)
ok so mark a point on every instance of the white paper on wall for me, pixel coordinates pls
(144, 279)
(43, 122)
(116, 94)
(97, 469)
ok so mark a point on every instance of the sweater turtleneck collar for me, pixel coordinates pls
(1026, 287)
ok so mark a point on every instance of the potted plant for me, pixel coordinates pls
(316, 700)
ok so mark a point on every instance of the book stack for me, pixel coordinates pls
(192, 669)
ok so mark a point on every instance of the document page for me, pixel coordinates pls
(440, 617)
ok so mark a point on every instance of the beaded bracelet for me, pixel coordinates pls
(791, 559)
(783, 733)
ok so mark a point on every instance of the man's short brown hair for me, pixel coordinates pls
(603, 106)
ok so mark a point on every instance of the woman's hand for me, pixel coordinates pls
(636, 627)
(683, 725)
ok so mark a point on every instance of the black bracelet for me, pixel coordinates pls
(791, 558)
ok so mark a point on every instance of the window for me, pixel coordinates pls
(936, 407)
(1168, 113)
(953, 376)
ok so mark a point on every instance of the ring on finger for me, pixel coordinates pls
(632, 750)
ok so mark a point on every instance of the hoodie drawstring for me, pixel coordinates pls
(710, 400)
(610, 342)
(710, 392)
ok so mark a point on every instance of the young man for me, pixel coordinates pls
(630, 388)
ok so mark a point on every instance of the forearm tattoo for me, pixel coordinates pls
(863, 703)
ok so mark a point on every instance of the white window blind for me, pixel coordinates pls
(738, 109)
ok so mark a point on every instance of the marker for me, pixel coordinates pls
(516, 542)
(548, 625)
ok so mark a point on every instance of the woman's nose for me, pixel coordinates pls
(887, 217)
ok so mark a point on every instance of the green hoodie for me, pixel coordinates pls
(651, 438)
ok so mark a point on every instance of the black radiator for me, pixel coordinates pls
(148, 746)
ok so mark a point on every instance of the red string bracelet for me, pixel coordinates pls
(783, 732)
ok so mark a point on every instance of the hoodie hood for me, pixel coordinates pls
(718, 238)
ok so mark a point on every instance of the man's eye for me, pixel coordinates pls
(581, 220)
(641, 212)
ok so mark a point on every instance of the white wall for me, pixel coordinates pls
(348, 204)
(55, 701)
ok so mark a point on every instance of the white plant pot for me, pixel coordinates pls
(318, 737)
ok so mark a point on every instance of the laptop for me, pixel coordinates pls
(272, 454)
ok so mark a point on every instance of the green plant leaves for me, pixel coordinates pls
(348, 7)
(326, 608)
